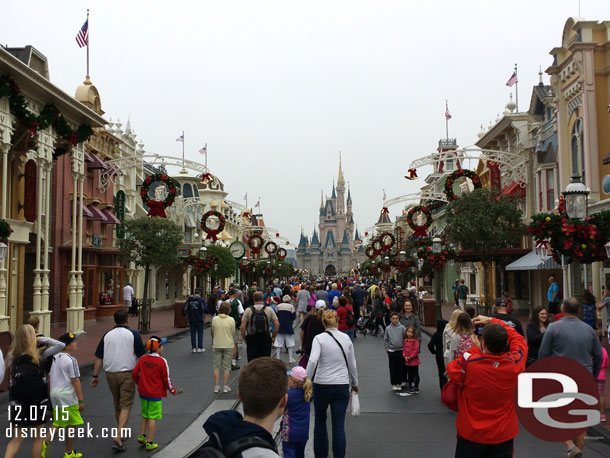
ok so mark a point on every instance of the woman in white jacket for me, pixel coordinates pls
(448, 334)
(332, 368)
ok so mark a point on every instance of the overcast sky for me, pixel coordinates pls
(277, 88)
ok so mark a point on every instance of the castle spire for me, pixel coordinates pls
(334, 194)
(340, 169)
(321, 198)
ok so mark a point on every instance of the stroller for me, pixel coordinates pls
(366, 324)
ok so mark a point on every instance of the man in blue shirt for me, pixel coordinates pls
(334, 292)
(553, 295)
(194, 309)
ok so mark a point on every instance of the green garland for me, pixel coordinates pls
(5, 230)
(49, 116)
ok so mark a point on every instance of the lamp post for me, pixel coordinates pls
(576, 203)
(386, 264)
(203, 252)
(437, 247)
(402, 257)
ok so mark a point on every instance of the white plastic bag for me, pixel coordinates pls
(355, 402)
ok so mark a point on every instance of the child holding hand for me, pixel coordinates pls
(295, 422)
(410, 351)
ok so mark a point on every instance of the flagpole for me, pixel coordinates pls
(517, 90)
(206, 156)
(88, 39)
(446, 120)
(182, 149)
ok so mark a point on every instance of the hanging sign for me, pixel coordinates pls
(119, 211)
(30, 204)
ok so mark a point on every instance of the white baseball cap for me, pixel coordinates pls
(320, 304)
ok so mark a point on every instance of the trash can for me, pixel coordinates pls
(180, 320)
(430, 312)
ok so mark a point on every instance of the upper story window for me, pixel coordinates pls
(187, 190)
(577, 154)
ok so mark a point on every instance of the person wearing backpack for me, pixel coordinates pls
(286, 316)
(250, 436)
(194, 308)
(347, 319)
(237, 310)
(463, 338)
(29, 404)
(255, 328)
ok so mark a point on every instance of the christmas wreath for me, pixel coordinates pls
(436, 260)
(576, 239)
(212, 233)
(476, 182)
(270, 247)
(370, 252)
(5, 230)
(155, 207)
(419, 231)
(245, 265)
(282, 253)
(201, 265)
(377, 246)
(255, 242)
(387, 241)
(49, 116)
(401, 266)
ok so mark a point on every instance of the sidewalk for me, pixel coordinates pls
(602, 429)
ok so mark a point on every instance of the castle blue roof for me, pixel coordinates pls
(349, 196)
(334, 196)
(303, 242)
(357, 236)
(329, 209)
(345, 242)
(330, 240)
(314, 239)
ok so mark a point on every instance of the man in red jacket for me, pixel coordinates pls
(486, 420)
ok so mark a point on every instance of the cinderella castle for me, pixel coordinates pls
(335, 248)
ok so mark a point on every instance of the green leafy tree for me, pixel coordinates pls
(225, 262)
(484, 222)
(151, 242)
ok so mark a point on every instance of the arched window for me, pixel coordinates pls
(187, 190)
(577, 154)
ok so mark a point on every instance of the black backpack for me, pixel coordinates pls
(259, 324)
(28, 383)
(350, 319)
(213, 447)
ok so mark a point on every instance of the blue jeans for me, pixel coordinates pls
(350, 333)
(197, 335)
(293, 449)
(337, 396)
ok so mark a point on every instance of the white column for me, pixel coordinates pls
(4, 318)
(79, 275)
(45, 313)
(37, 299)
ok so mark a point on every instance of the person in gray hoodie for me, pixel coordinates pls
(393, 340)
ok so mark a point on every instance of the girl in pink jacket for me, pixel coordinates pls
(410, 351)
(601, 385)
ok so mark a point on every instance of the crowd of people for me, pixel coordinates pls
(322, 371)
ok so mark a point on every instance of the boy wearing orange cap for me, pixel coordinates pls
(151, 374)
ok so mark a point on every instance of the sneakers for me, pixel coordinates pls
(403, 393)
(226, 389)
(574, 452)
(73, 454)
(216, 389)
(415, 390)
(234, 367)
(292, 361)
(396, 388)
(200, 350)
(151, 446)
(142, 439)
(194, 350)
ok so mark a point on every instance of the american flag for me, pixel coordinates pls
(512, 80)
(447, 114)
(246, 197)
(180, 139)
(82, 37)
(258, 204)
(204, 150)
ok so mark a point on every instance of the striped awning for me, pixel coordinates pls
(531, 261)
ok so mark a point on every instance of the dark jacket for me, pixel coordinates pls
(436, 342)
(358, 296)
(229, 425)
(194, 309)
(534, 339)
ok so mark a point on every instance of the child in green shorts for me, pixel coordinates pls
(66, 393)
(151, 374)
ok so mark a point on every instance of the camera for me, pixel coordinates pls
(478, 330)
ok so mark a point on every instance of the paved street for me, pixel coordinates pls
(388, 426)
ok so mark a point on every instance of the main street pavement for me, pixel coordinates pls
(389, 425)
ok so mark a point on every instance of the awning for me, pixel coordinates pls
(86, 212)
(96, 214)
(110, 218)
(532, 261)
(94, 162)
(514, 189)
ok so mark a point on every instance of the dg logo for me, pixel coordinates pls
(557, 399)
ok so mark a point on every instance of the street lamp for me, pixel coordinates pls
(402, 257)
(3, 250)
(203, 251)
(576, 203)
(437, 247)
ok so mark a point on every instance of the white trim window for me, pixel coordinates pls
(545, 187)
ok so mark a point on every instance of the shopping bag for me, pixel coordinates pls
(450, 395)
(355, 404)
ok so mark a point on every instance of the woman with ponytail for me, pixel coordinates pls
(295, 422)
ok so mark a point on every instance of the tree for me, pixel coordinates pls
(484, 222)
(151, 241)
(225, 260)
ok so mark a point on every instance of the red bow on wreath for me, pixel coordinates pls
(73, 141)
(245, 215)
(385, 210)
(412, 174)
(155, 208)
(420, 231)
(206, 177)
(34, 129)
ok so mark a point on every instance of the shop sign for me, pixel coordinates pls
(96, 240)
(119, 211)
(184, 253)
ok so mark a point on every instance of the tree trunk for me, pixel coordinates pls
(146, 279)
